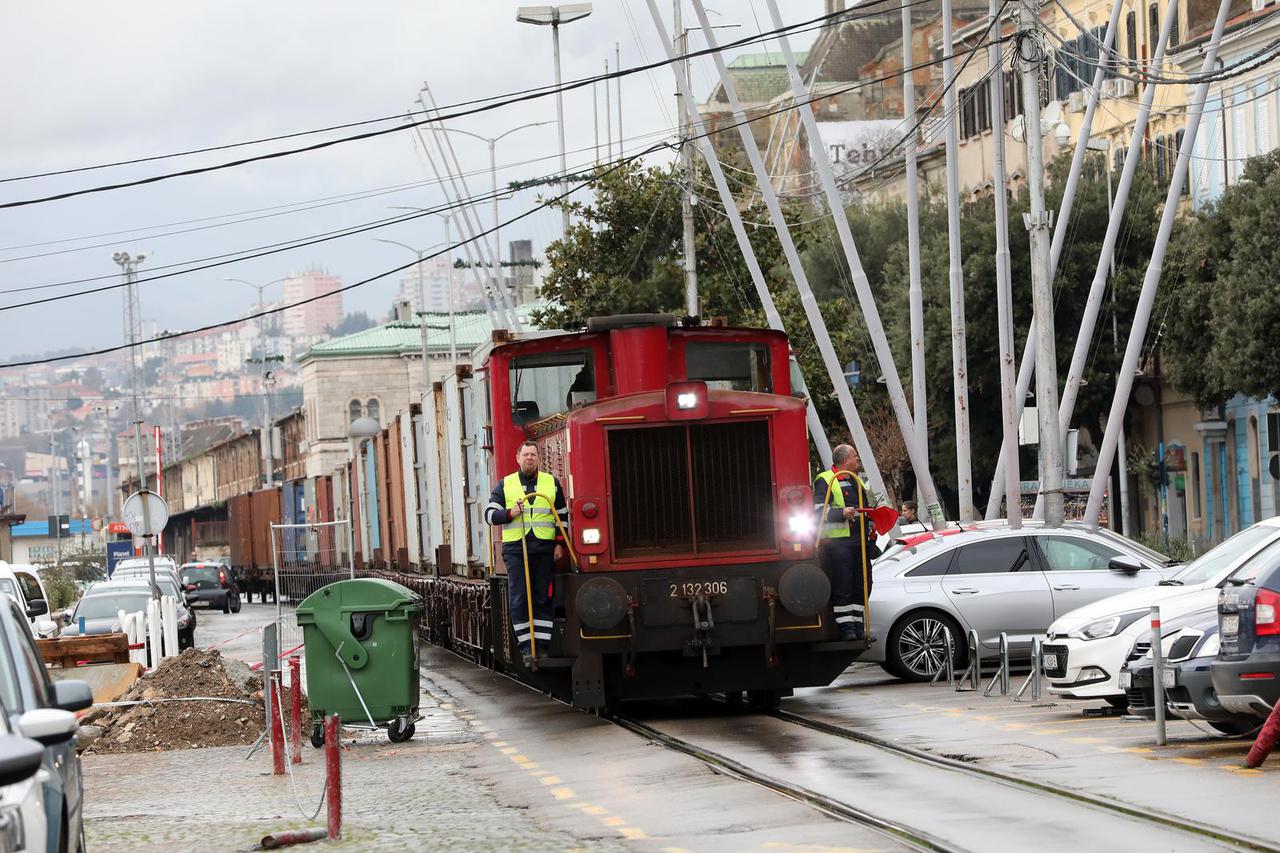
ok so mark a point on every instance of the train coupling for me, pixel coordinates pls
(703, 643)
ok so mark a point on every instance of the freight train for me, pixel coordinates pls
(684, 456)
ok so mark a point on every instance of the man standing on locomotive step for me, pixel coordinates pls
(523, 494)
(848, 542)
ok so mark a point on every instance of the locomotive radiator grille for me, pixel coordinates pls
(691, 488)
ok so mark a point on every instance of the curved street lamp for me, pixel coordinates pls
(262, 357)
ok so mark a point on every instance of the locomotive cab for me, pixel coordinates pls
(684, 458)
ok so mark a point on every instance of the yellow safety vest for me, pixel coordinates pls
(540, 519)
(835, 529)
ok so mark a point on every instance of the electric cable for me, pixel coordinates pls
(487, 103)
(467, 202)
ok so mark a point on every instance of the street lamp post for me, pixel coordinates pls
(554, 16)
(449, 285)
(492, 142)
(262, 355)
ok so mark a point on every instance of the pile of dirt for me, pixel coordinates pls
(199, 675)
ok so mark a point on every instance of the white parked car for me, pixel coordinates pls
(139, 567)
(23, 825)
(22, 584)
(1087, 647)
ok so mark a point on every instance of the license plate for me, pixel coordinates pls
(1126, 679)
(692, 589)
(1049, 660)
(1169, 677)
(1231, 623)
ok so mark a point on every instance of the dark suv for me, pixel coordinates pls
(212, 584)
(1247, 671)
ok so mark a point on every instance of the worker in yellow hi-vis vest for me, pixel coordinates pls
(848, 542)
(513, 505)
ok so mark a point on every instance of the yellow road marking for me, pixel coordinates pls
(1139, 749)
(550, 780)
(1086, 739)
(563, 793)
(632, 833)
(613, 821)
(537, 773)
(580, 805)
(596, 810)
(508, 750)
(499, 743)
(1191, 761)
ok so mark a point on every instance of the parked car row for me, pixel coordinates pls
(1089, 594)
(41, 786)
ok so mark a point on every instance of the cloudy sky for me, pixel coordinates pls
(88, 82)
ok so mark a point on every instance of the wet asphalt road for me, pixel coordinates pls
(584, 776)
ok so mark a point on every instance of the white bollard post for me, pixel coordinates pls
(169, 622)
(154, 632)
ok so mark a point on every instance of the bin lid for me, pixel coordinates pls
(360, 595)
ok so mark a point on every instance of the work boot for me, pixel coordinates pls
(848, 633)
(527, 657)
(859, 631)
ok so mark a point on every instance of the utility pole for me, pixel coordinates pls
(1039, 222)
(686, 169)
(955, 273)
(617, 66)
(915, 295)
(608, 113)
(56, 498)
(1004, 289)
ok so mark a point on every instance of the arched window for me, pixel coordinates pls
(1177, 146)
(1131, 35)
(1153, 28)
(1161, 158)
(353, 411)
(372, 409)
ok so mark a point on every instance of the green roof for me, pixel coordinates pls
(766, 59)
(398, 338)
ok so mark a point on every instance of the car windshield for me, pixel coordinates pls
(108, 605)
(1261, 563)
(200, 573)
(1209, 564)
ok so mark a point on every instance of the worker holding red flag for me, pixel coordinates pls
(848, 540)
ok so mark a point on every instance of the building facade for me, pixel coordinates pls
(312, 319)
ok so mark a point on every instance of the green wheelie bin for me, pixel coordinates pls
(360, 641)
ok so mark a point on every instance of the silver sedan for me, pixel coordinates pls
(992, 579)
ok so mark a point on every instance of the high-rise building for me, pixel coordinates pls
(520, 279)
(311, 319)
(429, 278)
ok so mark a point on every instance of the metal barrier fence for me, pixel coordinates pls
(304, 559)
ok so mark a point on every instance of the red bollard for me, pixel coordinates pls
(1266, 739)
(276, 729)
(295, 708)
(333, 775)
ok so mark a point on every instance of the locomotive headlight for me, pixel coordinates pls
(800, 525)
(686, 401)
(591, 536)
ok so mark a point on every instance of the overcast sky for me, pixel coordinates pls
(89, 82)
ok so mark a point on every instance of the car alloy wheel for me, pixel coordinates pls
(918, 646)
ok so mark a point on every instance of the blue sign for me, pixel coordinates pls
(853, 373)
(117, 551)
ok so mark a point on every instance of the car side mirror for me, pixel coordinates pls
(1125, 564)
(72, 694)
(20, 758)
(49, 726)
(189, 598)
(37, 607)
(66, 616)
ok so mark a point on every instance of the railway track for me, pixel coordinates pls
(1161, 819)
(902, 833)
(912, 796)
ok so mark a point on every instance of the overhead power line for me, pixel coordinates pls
(495, 103)
(969, 52)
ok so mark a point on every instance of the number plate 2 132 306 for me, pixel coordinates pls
(691, 589)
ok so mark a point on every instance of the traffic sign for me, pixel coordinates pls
(155, 508)
(96, 525)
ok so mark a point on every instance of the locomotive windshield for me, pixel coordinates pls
(549, 383)
(729, 366)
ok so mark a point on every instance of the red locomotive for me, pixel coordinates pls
(684, 457)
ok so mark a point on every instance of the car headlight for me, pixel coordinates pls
(591, 536)
(800, 525)
(1210, 647)
(1108, 626)
(184, 620)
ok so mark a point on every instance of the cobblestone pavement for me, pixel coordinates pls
(425, 794)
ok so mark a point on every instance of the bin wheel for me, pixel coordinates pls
(317, 736)
(400, 730)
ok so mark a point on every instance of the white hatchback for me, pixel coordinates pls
(1086, 648)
